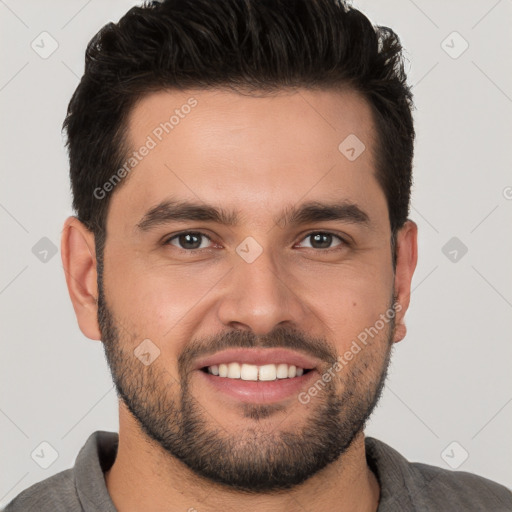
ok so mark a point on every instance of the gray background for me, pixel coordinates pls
(450, 378)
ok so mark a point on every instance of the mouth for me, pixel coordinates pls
(257, 375)
(252, 372)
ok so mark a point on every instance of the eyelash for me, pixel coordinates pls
(343, 241)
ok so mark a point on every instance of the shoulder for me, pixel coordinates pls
(439, 487)
(416, 486)
(54, 494)
(81, 486)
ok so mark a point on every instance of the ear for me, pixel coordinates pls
(79, 261)
(407, 257)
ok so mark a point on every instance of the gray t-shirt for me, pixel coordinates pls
(404, 486)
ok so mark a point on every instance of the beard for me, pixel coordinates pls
(256, 459)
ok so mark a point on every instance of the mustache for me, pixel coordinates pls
(280, 337)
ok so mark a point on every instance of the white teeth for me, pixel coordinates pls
(233, 371)
(223, 370)
(282, 371)
(249, 372)
(266, 372)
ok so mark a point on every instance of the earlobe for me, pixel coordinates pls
(407, 258)
(79, 261)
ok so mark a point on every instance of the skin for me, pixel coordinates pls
(256, 155)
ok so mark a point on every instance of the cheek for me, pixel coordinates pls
(350, 299)
(158, 300)
(163, 302)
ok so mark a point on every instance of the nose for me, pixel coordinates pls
(259, 296)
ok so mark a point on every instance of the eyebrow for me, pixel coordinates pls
(314, 211)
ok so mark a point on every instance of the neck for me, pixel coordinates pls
(145, 477)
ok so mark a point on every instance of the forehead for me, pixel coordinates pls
(255, 155)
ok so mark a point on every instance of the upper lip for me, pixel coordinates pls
(259, 357)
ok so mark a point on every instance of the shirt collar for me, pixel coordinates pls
(96, 456)
(397, 479)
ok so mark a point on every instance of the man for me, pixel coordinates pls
(241, 173)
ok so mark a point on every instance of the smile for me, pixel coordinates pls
(252, 372)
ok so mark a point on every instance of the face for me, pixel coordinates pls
(245, 242)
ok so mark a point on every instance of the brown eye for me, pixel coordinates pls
(323, 240)
(190, 240)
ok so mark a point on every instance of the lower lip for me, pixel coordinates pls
(259, 391)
